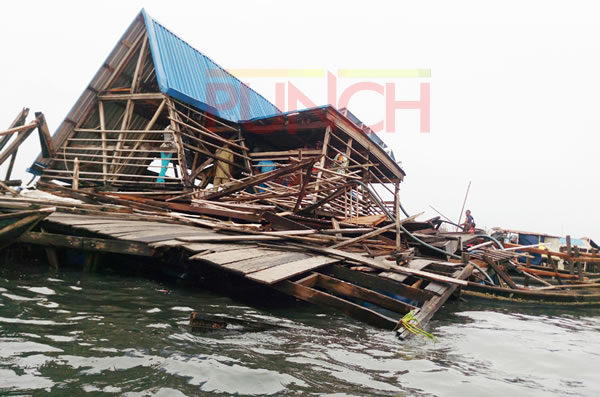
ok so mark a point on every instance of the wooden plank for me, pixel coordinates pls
(394, 276)
(419, 264)
(377, 282)
(341, 287)
(321, 298)
(375, 232)
(287, 270)
(167, 243)
(434, 304)
(133, 97)
(197, 247)
(436, 288)
(385, 265)
(224, 238)
(261, 263)
(112, 229)
(154, 232)
(86, 243)
(222, 258)
(258, 179)
(162, 237)
(500, 273)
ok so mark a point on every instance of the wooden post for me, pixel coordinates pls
(463, 205)
(103, 129)
(18, 121)
(570, 253)
(48, 149)
(51, 256)
(323, 157)
(75, 184)
(554, 267)
(179, 143)
(397, 214)
(578, 264)
(10, 166)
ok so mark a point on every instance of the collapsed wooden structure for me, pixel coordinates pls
(166, 152)
(167, 156)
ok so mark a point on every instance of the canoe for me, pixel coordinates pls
(14, 224)
(588, 296)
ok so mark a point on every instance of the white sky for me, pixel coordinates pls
(515, 87)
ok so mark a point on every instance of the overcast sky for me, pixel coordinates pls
(515, 88)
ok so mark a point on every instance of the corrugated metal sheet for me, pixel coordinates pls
(186, 74)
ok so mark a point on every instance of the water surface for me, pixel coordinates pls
(68, 334)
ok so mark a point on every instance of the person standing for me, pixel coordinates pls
(469, 224)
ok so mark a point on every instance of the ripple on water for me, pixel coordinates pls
(139, 344)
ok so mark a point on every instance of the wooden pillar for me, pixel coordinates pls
(179, 143)
(397, 215)
(570, 253)
(103, 136)
(323, 158)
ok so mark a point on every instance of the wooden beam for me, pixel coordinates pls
(180, 148)
(385, 266)
(14, 145)
(378, 283)
(321, 298)
(103, 135)
(257, 179)
(147, 96)
(375, 232)
(343, 288)
(434, 304)
(87, 243)
(19, 120)
(11, 131)
(48, 149)
(500, 272)
(75, 183)
(326, 139)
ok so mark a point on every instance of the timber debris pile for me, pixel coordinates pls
(197, 171)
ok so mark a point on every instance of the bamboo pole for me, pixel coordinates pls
(463, 205)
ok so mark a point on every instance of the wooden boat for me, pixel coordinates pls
(14, 224)
(576, 295)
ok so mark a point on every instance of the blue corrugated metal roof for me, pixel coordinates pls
(186, 74)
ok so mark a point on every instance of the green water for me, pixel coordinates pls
(67, 334)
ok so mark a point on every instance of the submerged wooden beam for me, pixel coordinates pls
(87, 243)
(379, 283)
(322, 298)
(347, 289)
(434, 304)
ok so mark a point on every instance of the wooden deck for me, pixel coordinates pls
(266, 265)
(380, 296)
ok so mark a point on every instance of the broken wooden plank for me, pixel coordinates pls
(222, 258)
(261, 263)
(385, 266)
(434, 304)
(341, 287)
(287, 270)
(321, 298)
(377, 282)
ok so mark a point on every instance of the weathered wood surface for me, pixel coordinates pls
(86, 243)
(259, 258)
(266, 265)
(353, 310)
(434, 304)
(287, 270)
